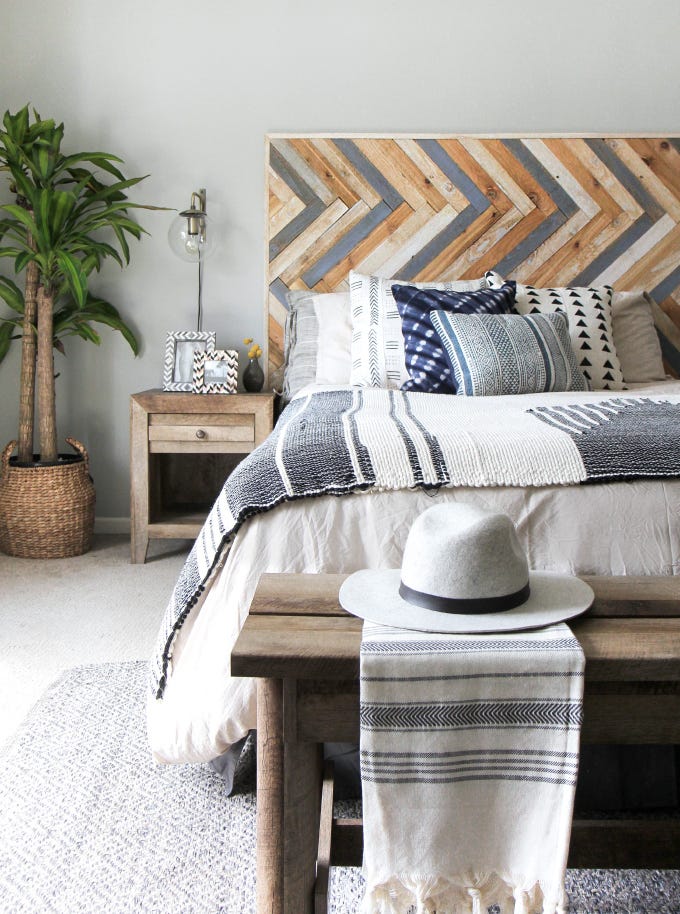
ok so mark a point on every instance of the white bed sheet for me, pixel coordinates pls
(630, 527)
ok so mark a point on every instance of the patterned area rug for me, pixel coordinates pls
(90, 825)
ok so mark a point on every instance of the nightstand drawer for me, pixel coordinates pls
(202, 428)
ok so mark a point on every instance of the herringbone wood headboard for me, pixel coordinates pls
(541, 209)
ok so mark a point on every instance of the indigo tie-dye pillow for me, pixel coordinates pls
(426, 363)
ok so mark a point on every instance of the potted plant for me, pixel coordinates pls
(70, 214)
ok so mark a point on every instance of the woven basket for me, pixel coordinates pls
(46, 512)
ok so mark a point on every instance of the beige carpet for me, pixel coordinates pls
(60, 613)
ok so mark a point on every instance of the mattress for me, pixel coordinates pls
(613, 528)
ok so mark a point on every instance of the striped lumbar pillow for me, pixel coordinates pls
(497, 354)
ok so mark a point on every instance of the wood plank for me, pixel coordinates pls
(323, 857)
(330, 178)
(179, 529)
(197, 419)
(471, 262)
(202, 446)
(633, 160)
(661, 158)
(403, 174)
(317, 594)
(329, 711)
(655, 265)
(164, 401)
(308, 647)
(395, 251)
(434, 174)
(139, 482)
(385, 228)
(615, 272)
(483, 151)
(324, 243)
(345, 171)
(269, 878)
(440, 266)
(534, 192)
(595, 843)
(302, 770)
(606, 179)
(307, 237)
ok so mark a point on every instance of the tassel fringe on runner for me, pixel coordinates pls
(434, 895)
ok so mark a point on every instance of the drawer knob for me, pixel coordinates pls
(200, 433)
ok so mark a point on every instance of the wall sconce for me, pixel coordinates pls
(192, 238)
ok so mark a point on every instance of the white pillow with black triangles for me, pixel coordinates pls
(589, 312)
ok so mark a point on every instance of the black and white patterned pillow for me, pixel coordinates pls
(589, 312)
(492, 355)
(426, 361)
(377, 341)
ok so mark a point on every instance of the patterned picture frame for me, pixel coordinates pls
(215, 371)
(178, 364)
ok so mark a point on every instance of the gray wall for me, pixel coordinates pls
(186, 92)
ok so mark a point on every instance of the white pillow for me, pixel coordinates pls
(589, 312)
(317, 340)
(635, 337)
(377, 342)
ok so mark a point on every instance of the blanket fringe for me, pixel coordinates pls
(473, 894)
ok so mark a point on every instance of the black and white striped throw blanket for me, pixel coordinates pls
(337, 442)
(469, 757)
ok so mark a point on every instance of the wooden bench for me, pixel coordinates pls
(304, 648)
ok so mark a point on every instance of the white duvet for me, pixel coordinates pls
(609, 528)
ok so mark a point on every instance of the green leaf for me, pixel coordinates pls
(103, 160)
(61, 207)
(77, 279)
(21, 215)
(6, 331)
(11, 294)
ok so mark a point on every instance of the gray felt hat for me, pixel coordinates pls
(464, 570)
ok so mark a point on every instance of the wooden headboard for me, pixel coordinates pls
(548, 210)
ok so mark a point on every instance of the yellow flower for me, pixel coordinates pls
(247, 340)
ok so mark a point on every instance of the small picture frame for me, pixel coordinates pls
(215, 371)
(178, 364)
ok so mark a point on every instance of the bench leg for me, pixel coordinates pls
(269, 817)
(303, 767)
(288, 807)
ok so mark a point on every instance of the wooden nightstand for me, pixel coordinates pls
(201, 428)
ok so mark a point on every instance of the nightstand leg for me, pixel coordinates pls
(139, 483)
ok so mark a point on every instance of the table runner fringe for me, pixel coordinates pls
(473, 894)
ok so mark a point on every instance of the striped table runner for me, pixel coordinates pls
(469, 757)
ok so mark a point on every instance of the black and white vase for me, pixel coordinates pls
(253, 376)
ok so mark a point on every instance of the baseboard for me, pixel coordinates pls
(112, 525)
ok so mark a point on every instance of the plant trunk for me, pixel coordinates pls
(45, 369)
(27, 384)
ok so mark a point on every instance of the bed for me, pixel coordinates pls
(546, 211)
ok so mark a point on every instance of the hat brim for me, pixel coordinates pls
(374, 595)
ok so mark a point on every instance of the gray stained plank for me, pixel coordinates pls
(540, 173)
(618, 247)
(295, 227)
(440, 241)
(279, 289)
(518, 254)
(463, 182)
(377, 181)
(620, 170)
(667, 286)
(347, 243)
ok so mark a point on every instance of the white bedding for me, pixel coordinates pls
(610, 528)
